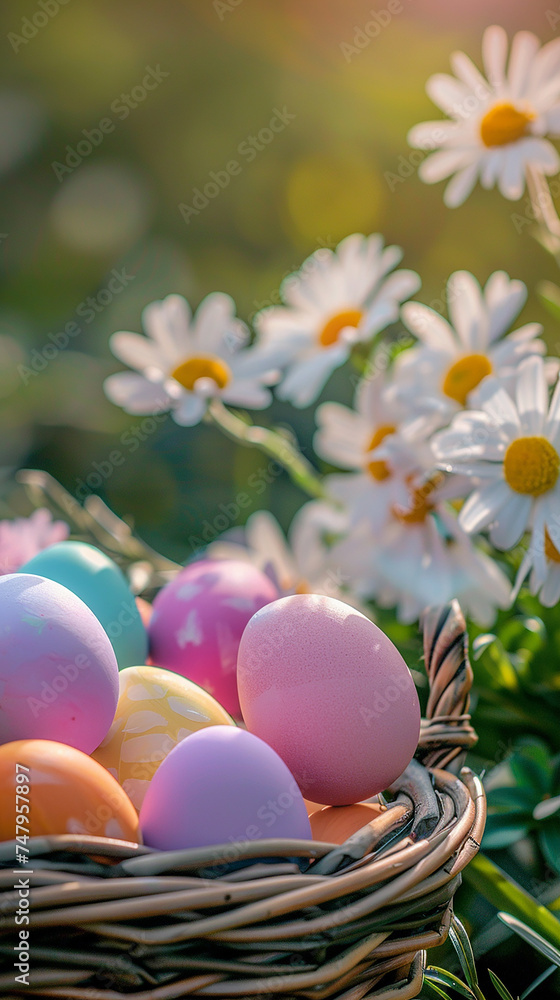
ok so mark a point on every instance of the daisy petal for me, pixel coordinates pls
(504, 300)
(495, 401)
(306, 378)
(431, 328)
(441, 164)
(189, 409)
(552, 426)
(524, 49)
(137, 352)
(483, 506)
(466, 311)
(532, 395)
(447, 92)
(512, 522)
(136, 394)
(168, 322)
(458, 189)
(494, 54)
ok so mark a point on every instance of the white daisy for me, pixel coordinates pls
(380, 442)
(337, 299)
(297, 565)
(185, 361)
(496, 128)
(543, 567)
(513, 447)
(453, 357)
(423, 558)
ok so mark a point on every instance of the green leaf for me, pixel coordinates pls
(499, 986)
(503, 830)
(537, 982)
(505, 894)
(432, 992)
(531, 765)
(516, 799)
(549, 294)
(444, 978)
(549, 843)
(460, 941)
(534, 939)
(481, 643)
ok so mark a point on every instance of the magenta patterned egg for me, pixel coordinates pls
(198, 620)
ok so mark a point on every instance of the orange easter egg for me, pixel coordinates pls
(313, 807)
(334, 824)
(52, 788)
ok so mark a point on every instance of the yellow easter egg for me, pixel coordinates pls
(156, 710)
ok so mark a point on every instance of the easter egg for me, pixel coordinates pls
(198, 620)
(334, 824)
(58, 672)
(66, 792)
(156, 710)
(331, 694)
(93, 576)
(221, 786)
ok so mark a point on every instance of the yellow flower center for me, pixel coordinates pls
(550, 550)
(421, 504)
(531, 465)
(380, 470)
(334, 326)
(465, 375)
(504, 123)
(204, 366)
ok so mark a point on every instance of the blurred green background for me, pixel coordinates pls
(218, 72)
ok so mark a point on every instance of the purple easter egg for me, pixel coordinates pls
(222, 786)
(58, 672)
(199, 618)
(331, 693)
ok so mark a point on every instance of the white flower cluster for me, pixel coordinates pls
(458, 437)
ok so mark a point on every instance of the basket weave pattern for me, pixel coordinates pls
(110, 920)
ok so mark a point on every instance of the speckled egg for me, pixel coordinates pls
(198, 620)
(58, 672)
(222, 786)
(98, 581)
(66, 792)
(156, 710)
(331, 693)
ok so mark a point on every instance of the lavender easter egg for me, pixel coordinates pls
(331, 694)
(221, 786)
(198, 620)
(58, 672)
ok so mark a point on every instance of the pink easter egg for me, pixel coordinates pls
(199, 618)
(326, 689)
(58, 672)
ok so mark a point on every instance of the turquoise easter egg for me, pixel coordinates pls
(98, 581)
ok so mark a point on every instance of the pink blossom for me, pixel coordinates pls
(24, 537)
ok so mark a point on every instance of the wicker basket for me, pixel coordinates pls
(111, 919)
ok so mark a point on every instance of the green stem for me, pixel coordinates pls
(271, 443)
